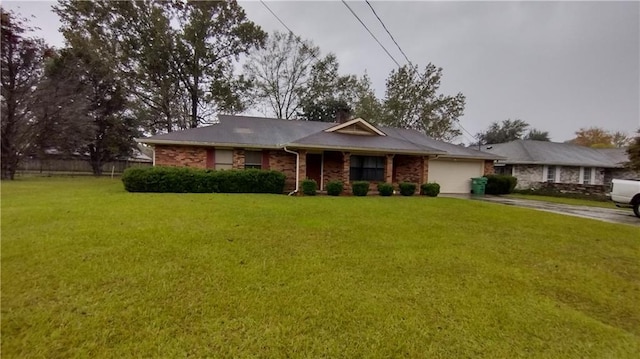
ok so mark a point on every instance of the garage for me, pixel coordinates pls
(454, 175)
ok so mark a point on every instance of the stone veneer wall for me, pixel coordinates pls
(618, 173)
(600, 174)
(595, 190)
(182, 156)
(569, 174)
(527, 175)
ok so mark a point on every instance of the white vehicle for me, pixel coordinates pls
(626, 193)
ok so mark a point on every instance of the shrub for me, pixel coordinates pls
(309, 187)
(385, 189)
(334, 188)
(407, 188)
(430, 189)
(360, 188)
(191, 180)
(500, 184)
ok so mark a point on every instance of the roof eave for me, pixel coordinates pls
(366, 149)
(471, 157)
(539, 163)
(205, 144)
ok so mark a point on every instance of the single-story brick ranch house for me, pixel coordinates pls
(348, 150)
(563, 166)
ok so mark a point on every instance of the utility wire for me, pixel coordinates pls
(465, 130)
(276, 16)
(295, 37)
(388, 32)
(370, 33)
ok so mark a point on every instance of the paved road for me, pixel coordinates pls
(621, 215)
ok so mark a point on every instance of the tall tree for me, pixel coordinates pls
(508, 130)
(620, 139)
(62, 102)
(412, 101)
(106, 125)
(94, 54)
(210, 35)
(22, 59)
(593, 137)
(634, 153)
(329, 92)
(175, 57)
(366, 104)
(537, 135)
(280, 73)
(147, 43)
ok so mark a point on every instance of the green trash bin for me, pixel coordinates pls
(478, 185)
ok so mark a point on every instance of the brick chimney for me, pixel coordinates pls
(343, 115)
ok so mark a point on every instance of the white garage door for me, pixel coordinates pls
(454, 176)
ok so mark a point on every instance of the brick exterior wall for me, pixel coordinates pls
(238, 159)
(332, 166)
(388, 168)
(346, 171)
(488, 168)
(302, 168)
(181, 156)
(285, 163)
(408, 168)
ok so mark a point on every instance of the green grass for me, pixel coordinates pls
(89, 270)
(565, 200)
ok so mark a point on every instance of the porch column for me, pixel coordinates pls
(388, 169)
(302, 168)
(424, 170)
(346, 169)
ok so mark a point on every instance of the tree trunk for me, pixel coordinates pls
(95, 160)
(9, 157)
(194, 107)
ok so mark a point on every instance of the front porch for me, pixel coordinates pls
(347, 167)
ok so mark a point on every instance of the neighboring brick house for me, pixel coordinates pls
(346, 151)
(563, 166)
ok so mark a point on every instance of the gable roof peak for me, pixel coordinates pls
(359, 122)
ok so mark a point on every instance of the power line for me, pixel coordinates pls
(370, 33)
(388, 32)
(276, 16)
(295, 37)
(465, 130)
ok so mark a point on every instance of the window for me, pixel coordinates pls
(224, 159)
(503, 170)
(551, 174)
(586, 175)
(367, 168)
(253, 159)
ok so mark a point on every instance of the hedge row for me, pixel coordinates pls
(190, 180)
(500, 184)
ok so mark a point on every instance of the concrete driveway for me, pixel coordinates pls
(618, 215)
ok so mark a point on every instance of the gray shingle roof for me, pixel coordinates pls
(244, 131)
(550, 153)
(617, 155)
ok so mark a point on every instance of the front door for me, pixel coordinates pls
(314, 168)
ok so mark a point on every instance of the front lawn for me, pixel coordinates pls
(89, 270)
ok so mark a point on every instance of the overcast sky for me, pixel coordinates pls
(559, 66)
